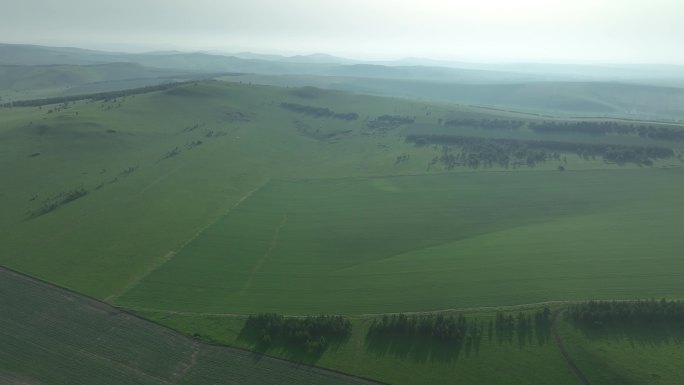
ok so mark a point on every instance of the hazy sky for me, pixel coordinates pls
(631, 31)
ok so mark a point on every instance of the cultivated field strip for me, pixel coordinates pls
(52, 336)
(425, 243)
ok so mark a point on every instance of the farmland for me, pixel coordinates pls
(49, 335)
(481, 239)
(198, 204)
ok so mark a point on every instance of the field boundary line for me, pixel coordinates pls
(260, 262)
(459, 173)
(168, 256)
(487, 309)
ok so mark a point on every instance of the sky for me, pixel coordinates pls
(571, 31)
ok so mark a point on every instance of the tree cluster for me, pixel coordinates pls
(440, 327)
(477, 151)
(194, 127)
(58, 200)
(607, 313)
(388, 122)
(402, 158)
(523, 321)
(311, 333)
(488, 124)
(319, 112)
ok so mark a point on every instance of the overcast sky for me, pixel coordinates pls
(627, 31)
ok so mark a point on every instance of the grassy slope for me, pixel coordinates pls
(103, 241)
(443, 241)
(628, 355)
(50, 336)
(137, 227)
(106, 242)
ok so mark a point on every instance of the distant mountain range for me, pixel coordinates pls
(327, 65)
(645, 91)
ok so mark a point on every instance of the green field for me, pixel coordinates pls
(421, 243)
(205, 202)
(627, 354)
(52, 336)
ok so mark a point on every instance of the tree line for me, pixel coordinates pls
(311, 333)
(319, 112)
(582, 127)
(524, 325)
(388, 122)
(450, 328)
(58, 200)
(489, 124)
(477, 151)
(457, 329)
(606, 128)
(105, 96)
(611, 313)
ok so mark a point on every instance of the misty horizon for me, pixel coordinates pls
(380, 60)
(491, 31)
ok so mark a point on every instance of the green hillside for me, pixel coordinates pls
(599, 98)
(122, 192)
(203, 202)
(26, 82)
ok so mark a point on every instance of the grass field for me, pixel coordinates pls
(209, 200)
(275, 204)
(627, 355)
(420, 243)
(51, 336)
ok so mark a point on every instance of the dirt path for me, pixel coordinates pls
(186, 366)
(168, 256)
(136, 280)
(566, 356)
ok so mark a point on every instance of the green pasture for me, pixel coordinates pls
(281, 211)
(627, 354)
(422, 243)
(354, 238)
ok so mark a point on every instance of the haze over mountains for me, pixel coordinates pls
(642, 91)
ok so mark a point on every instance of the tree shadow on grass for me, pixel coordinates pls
(288, 349)
(421, 349)
(637, 334)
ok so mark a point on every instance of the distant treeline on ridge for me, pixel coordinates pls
(319, 112)
(606, 128)
(577, 127)
(486, 152)
(97, 96)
